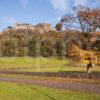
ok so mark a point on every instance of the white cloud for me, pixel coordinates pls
(89, 3)
(79, 2)
(60, 5)
(24, 2)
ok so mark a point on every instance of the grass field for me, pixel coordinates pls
(13, 91)
(41, 64)
(30, 62)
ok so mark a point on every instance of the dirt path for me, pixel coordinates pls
(47, 82)
(53, 84)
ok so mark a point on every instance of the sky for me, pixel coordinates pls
(38, 11)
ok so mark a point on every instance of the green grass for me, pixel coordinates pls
(11, 62)
(36, 64)
(14, 91)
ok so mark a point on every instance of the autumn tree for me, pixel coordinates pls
(87, 21)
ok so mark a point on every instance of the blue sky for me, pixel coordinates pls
(35, 11)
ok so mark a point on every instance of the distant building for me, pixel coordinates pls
(41, 27)
(24, 26)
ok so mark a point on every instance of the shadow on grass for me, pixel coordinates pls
(64, 74)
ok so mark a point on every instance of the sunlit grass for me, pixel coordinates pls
(14, 91)
(29, 62)
(41, 64)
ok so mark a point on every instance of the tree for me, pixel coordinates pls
(58, 27)
(87, 21)
(32, 47)
(8, 48)
(46, 48)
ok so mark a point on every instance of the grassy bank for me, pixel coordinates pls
(13, 91)
(41, 64)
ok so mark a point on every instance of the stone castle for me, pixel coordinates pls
(41, 27)
(24, 26)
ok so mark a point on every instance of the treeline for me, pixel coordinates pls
(52, 43)
(30, 43)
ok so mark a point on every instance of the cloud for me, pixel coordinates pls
(24, 2)
(79, 2)
(60, 5)
(89, 3)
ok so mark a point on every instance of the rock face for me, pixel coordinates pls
(40, 28)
